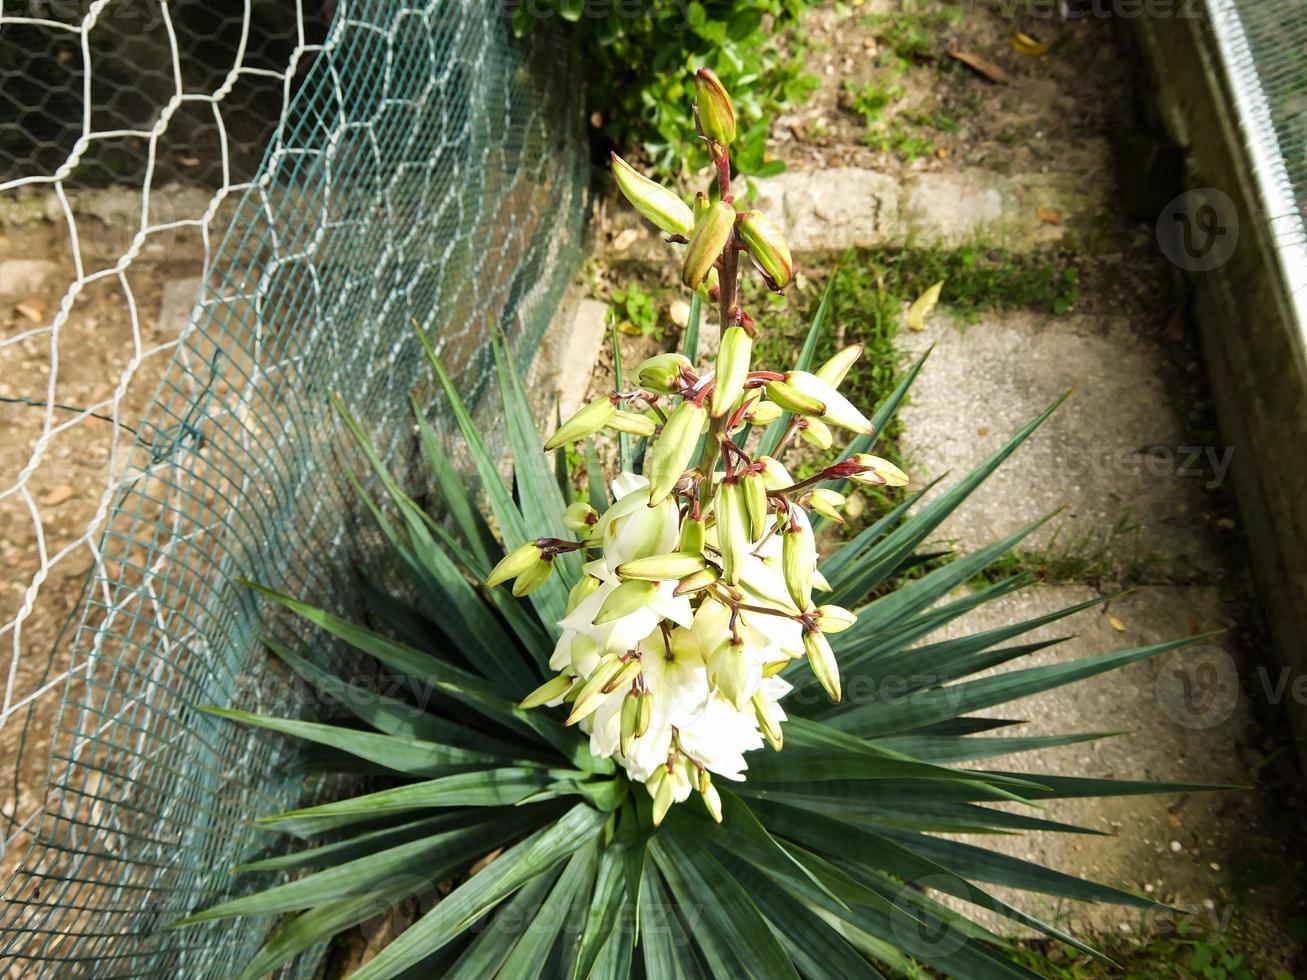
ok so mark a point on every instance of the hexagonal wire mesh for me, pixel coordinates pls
(421, 165)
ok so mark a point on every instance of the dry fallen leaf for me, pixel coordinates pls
(58, 495)
(1025, 44)
(625, 239)
(941, 152)
(33, 309)
(1116, 624)
(1048, 216)
(981, 66)
(922, 306)
(629, 328)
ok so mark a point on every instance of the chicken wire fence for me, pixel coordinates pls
(213, 215)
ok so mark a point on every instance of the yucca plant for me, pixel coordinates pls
(540, 742)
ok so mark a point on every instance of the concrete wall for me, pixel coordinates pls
(1254, 356)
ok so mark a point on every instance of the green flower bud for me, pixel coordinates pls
(701, 205)
(819, 582)
(834, 371)
(732, 530)
(536, 575)
(633, 423)
(879, 472)
(774, 475)
(755, 502)
(674, 449)
(697, 582)
(712, 800)
(838, 409)
(692, 537)
(592, 694)
(767, 248)
(660, 372)
(822, 660)
(798, 560)
(730, 672)
(817, 433)
(716, 114)
(513, 564)
(773, 667)
(827, 503)
(625, 675)
(660, 568)
(732, 368)
(763, 412)
(664, 796)
(586, 422)
(580, 517)
(584, 587)
(835, 619)
(644, 714)
(624, 600)
(710, 237)
(550, 690)
(771, 729)
(630, 716)
(658, 204)
(792, 400)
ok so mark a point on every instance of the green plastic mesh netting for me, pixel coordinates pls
(422, 165)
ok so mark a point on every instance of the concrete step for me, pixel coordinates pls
(1117, 453)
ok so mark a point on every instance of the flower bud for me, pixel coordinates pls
(730, 672)
(774, 475)
(657, 203)
(835, 619)
(550, 690)
(712, 800)
(710, 237)
(674, 449)
(583, 589)
(763, 412)
(660, 372)
(755, 502)
(625, 675)
(514, 563)
(793, 400)
(630, 717)
(798, 560)
(877, 471)
(767, 248)
(592, 694)
(732, 368)
(732, 530)
(822, 660)
(644, 713)
(834, 371)
(692, 536)
(627, 598)
(771, 729)
(664, 795)
(586, 422)
(633, 423)
(817, 433)
(580, 517)
(659, 568)
(773, 667)
(716, 114)
(536, 575)
(701, 206)
(697, 582)
(827, 503)
(839, 410)
(819, 582)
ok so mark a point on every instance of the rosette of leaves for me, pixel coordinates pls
(828, 861)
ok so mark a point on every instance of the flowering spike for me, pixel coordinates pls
(767, 247)
(711, 234)
(586, 422)
(716, 114)
(656, 202)
(515, 563)
(674, 449)
(732, 368)
(550, 690)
